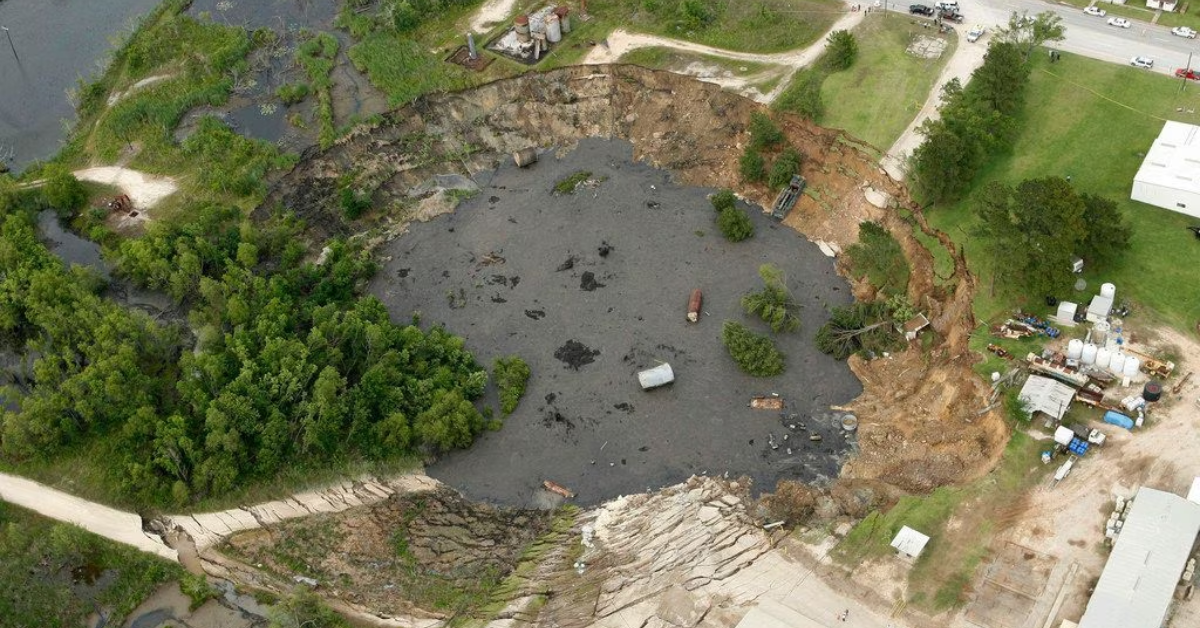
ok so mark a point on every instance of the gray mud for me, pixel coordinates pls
(593, 287)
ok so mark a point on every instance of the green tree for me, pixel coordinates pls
(1029, 33)
(450, 422)
(751, 165)
(511, 375)
(1034, 231)
(878, 256)
(786, 165)
(1108, 233)
(764, 133)
(754, 353)
(865, 326)
(734, 224)
(302, 608)
(773, 304)
(63, 191)
(1000, 82)
(803, 95)
(723, 200)
(841, 52)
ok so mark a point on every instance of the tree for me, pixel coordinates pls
(63, 191)
(1036, 229)
(878, 256)
(773, 304)
(511, 375)
(1028, 33)
(764, 133)
(1108, 233)
(865, 326)
(786, 165)
(841, 51)
(723, 200)
(1000, 82)
(734, 224)
(450, 422)
(754, 353)
(751, 165)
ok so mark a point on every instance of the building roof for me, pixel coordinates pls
(1043, 394)
(1139, 580)
(772, 614)
(1100, 306)
(1194, 492)
(1174, 159)
(909, 541)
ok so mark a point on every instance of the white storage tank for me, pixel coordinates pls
(660, 375)
(1116, 364)
(1089, 354)
(1074, 349)
(1103, 355)
(1108, 290)
(1132, 364)
(553, 29)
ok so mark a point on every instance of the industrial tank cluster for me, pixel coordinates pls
(533, 35)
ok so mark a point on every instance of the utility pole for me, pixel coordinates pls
(1186, 72)
(10, 44)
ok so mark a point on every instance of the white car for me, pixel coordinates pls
(1119, 22)
(1183, 31)
(1142, 62)
(1096, 11)
(975, 33)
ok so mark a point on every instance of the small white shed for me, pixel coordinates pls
(909, 542)
(1099, 308)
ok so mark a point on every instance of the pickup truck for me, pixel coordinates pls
(975, 33)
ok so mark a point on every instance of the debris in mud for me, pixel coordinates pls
(554, 418)
(536, 315)
(605, 249)
(624, 406)
(496, 298)
(588, 282)
(550, 397)
(498, 279)
(567, 265)
(493, 199)
(493, 257)
(403, 273)
(456, 301)
(653, 204)
(576, 354)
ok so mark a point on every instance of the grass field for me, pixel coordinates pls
(939, 578)
(1094, 121)
(878, 97)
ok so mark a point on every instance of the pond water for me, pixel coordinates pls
(69, 247)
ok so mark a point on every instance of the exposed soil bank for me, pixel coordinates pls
(592, 287)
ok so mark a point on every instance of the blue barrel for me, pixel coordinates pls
(1116, 418)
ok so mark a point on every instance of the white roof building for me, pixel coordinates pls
(1170, 174)
(1043, 394)
(1139, 579)
(1099, 308)
(910, 542)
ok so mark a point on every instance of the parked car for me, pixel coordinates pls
(951, 16)
(952, 5)
(1142, 62)
(975, 33)
(920, 9)
(1096, 11)
(1119, 22)
(1185, 73)
(1183, 31)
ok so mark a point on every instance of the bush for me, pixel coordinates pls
(734, 224)
(786, 165)
(63, 191)
(567, 185)
(763, 131)
(353, 203)
(752, 166)
(723, 200)
(292, 93)
(878, 256)
(511, 375)
(773, 304)
(803, 96)
(754, 353)
(861, 327)
(841, 52)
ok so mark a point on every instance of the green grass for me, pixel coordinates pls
(568, 184)
(941, 576)
(317, 56)
(55, 574)
(877, 98)
(1094, 121)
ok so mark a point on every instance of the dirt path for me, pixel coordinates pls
(621, 42)
(116, 97)
(966, 58)
(145, 190)
(492, 12)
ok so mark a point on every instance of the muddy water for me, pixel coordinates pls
(56, 43)
(69, 247)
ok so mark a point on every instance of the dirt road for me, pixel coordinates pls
(145, 190)
(621, 42)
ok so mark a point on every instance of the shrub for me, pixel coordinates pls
(511, 375)
(568, 184)
(292, 93)
(734, 224)
(841, 52)
(786, 165)
(803, 96)
(878, 256)
(773, 304)
(763, 131)
(353, 203)
(752, 166)
(63, 191)
(754, 353)
(723, 200)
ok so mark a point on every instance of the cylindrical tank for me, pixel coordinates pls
(1108, 290)
(553, 29)
(849, 422)
(694, 303)
(564, 18)
(1132, 364)
(525, 157)
(1152, 391)
(1103, 355)
(521, 26)
(1116, 364)
(1099, 336)
(1074, 349)
(1089, 354)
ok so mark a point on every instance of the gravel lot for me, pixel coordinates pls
(593, 287)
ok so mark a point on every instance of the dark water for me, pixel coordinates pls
(57, 42)
(279, 15)
(69, 247)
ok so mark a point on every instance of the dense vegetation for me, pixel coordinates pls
(773, 304)
(733, 223)
(878, 256)
(803, 94)
(754, 353)
(865, 327)
(511, 374)
(50, 573)
(768, 140)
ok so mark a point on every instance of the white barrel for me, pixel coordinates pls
(1074, 349)
(1132, 365)
(1089, 354)
(1116, 364)
(660, 375)
(1108, 290)
(1103, 355)
(553, 29)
